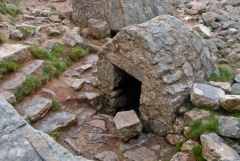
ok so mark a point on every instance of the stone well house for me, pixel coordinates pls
(151, 68)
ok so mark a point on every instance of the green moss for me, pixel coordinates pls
(58, 51)
(200, 126)
(197, 152)
(77, 53)
(226, 75)
(7, 67)
(55, 134)
(39, 53)
(56, 106)
(85, 24)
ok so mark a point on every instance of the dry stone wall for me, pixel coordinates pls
(119, 13)
(167, 56)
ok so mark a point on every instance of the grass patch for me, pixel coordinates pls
(32, 84)
(7, 67)
(12, 11)
(28, 31)
(197, 152)
(200, 126)
(85, 24)
(58, 51)
(106, 36)
(69, 111)
(77, 53)
(2, 38)
(55, 134)
(226, 75)
(179, 146)
(56, 106)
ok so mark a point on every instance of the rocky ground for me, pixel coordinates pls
(65, 105)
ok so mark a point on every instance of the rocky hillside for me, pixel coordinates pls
(112, 80)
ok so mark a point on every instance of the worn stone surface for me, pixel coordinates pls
(72, 36)
(214, 148)
(14, 83)
(14, 52)
(151, 52)
(35, 108)
(140, 154)
(50, 44)
(236, 88)
(76, 84)
(55, 121)
(8, 96)
(175, 138)
(225, 86)
(206, 95)
(231, 102)
(32, 67)
(188, 145)
(16, 35)
(229, 126)
(179, 156)
(128, 124)
(95, 99)
(195, 114)
(98, 28)
(19, 141)
(118, 13)
(107, 156)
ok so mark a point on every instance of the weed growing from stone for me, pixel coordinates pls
(77, 53)
(2, 38)
(197, 152)
(226, 75)
(56, 106)
(7, 67)
(179, 146)
(26, 31)
(200, 126)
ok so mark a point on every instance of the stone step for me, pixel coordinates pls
(17, 79)
(35, 108)
(55, 121)
(14, 52)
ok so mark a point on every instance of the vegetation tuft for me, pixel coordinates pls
(2, 38)
(197, 152)
(200, 126)
(26, 31)
(12, 11)
(58, 51)
(7, 67)
(179, 146)
(77, 53)
(55, 134)
(226, 75)
(56, 106)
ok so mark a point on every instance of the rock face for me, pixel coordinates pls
(206, 95)
(98, 28)
(231, 102)
(229, 126)
(128, 124)
(19, 141)
(195, 114)
(214, 148)
(166, 57)
(119, 13)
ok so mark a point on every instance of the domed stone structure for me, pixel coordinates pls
(151, 68)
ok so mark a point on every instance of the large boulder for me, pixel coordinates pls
(206, 95)
(231, 102)
(20, 141)
(119, 13)
(229, 126)
(166, 56)
(214, 148)
(98, 28)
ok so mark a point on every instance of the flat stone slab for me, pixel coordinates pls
(94, 99)
(14, 52)
(9, 96)
(76, 84)
(55, 121)
(140, 154)
(32, 67)
(195, 114)
(21, 142)
(35, 108)
(15, 83)
(206, 95)
(128, 124)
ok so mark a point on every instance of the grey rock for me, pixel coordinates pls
(95, 99)
(173, 78)
(179, 156)
(119, 14)
(76, 84)
(175, 138)
(14, 83)
(107, 156)
(179, 125)
(188, 145)
(236, 88)
(35, 108)
(195, 114)
(128, 124)
(209, 17)
(206, 95)
(19, 141)
(84, 68)
(72, 37)
(8, 96)
(32, 67)
(98, 28)
(236, 78)
(16, 35)
(229, 126)
(53, 31)
(55, 121)
(225, 86)
(50, 44)
(55, 18)
(28, 17)
(65, 14)
(214, 148)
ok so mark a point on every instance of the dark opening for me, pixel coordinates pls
(131, 89)
(114, 33)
